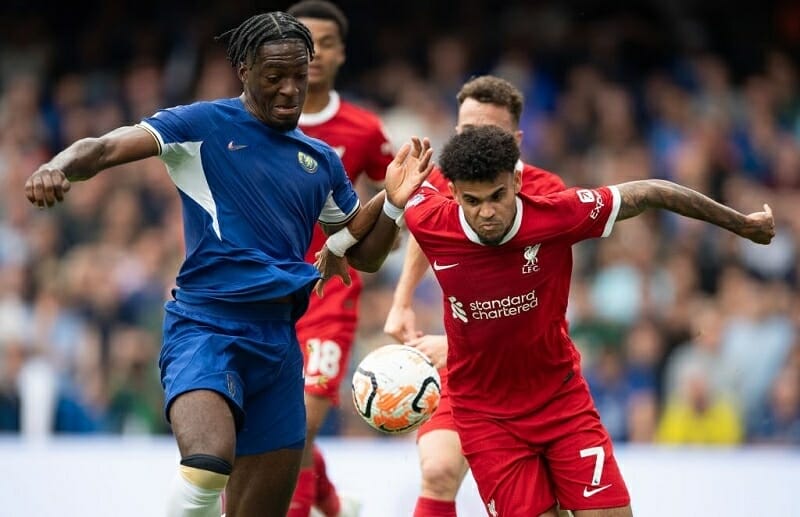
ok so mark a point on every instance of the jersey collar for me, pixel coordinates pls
(512, 232)
(327, 113)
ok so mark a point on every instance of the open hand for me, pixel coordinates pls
(759, 226)
(408, 170)
(46, 186)
(329, 265)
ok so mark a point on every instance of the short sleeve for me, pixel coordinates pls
(420, 210)
(575, 214)
(437, 180)
(178, 125)
(342, 202)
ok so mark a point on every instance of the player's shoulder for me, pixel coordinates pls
(548, 181)
(204, 111)
(359, 115)
(316, 145)
(196, 121)
(428, 197)
(437, 180)
(313, 142)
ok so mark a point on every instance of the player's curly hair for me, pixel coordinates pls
(245, 40)
(479, 153)
(321, 10)
(494, 90)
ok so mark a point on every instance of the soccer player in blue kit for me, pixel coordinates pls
(252, 187)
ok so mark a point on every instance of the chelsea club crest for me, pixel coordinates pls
(309, 164)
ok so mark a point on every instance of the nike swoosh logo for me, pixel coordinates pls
(590, 493)
(440, 267)
(235, 147)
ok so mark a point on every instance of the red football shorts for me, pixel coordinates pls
(326, 337)
(442, 418)
(561, 453)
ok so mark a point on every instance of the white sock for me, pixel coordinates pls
(188, 500)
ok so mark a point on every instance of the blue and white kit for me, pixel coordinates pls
(251, 196)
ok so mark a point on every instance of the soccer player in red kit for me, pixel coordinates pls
(482, 100)
(327, 330)
(528, 426)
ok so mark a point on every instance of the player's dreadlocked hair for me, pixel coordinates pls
(480, 154)
(321, 10)
(493, 90)
(245, 40)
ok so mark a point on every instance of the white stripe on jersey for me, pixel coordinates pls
(185, 167)
(616, 201)
(333, 214)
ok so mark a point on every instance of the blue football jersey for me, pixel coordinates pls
(251, 196)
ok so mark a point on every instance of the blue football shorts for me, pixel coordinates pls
(249, 354)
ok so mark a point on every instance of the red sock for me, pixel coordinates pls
(304, 494)
(434, 508)
(327, 499)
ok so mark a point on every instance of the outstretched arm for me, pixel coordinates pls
(637, 196)
(85, 158)
(401, 320)
(404, 175)
(370, 235)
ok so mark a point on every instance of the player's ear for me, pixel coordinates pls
(453, 190)
(517, 181)
(242, 72)
(518, 136)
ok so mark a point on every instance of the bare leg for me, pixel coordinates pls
(204, 429)
(442, 464)
(262, 484)
(203, 424)
(316, 410)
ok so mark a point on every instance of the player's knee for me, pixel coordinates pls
(441, 475)
(206, 471)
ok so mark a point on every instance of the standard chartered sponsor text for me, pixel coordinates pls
(511, 305)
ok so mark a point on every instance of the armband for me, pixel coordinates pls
(392, 211)
(340, 242)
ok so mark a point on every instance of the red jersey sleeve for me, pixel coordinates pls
(427, 212)
(575, 214)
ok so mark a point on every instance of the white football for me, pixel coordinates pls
(396, 389)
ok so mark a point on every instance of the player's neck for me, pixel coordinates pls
(317, 99)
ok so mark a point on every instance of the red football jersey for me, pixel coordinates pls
(358, 138)
(505, 305)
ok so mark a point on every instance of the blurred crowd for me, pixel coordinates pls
(688, 334)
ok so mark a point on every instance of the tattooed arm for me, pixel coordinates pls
(637, 196)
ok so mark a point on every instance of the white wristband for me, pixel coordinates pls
(392, 211)
(340, 242)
